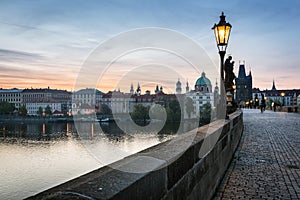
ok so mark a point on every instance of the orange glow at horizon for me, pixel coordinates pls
(69, 85)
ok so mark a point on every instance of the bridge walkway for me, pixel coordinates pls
(267, 162)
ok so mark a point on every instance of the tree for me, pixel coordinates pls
(157, 112)
(23, 110)
(170, 115)
(48, 110)
(189, 107)
(105, 109)
(205, 113)
(175, 115)
(40, 111)
(6, 108)
(140, 112)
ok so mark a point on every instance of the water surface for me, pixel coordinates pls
(38, 156)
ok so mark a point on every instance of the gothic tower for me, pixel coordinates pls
(243, 85)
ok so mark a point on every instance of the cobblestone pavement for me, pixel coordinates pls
(267, 162)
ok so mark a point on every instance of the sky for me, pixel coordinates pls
(53, 42)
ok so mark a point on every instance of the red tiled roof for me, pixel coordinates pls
(57, 112)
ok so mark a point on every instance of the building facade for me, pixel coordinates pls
(34, 105)
(59, 100)
(13, 96)
(283, 97)
(201, 95)
(88, 96)
(86, 101)
(118, 102)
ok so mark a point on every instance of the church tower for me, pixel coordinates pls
(243, 85)
(131, 89)
(187, 88)
(178, 87)
(138, 90)
(156, 89)
(273, 87)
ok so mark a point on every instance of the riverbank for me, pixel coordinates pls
(34, 119)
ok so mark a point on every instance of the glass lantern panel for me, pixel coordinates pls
(227, 33)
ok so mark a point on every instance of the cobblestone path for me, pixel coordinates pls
(267, 162)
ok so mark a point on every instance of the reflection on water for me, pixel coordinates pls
(37, 156)
(30, 167)
(87, 130)
(36, 131)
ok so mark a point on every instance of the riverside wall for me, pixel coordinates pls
(189, 166)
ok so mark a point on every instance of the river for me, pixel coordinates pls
(38, 156)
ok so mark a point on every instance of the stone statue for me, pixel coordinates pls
(229, 74)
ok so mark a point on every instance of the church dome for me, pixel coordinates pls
(203, 81)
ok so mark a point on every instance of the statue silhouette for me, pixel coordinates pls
(229, 75)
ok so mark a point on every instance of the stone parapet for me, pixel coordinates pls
(189, 166)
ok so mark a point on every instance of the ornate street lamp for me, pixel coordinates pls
(222, 33)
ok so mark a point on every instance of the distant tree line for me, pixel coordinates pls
(47, 111)
(23, 111)
(172, 109)
(205, 114)
(9, 108)
(6, 108)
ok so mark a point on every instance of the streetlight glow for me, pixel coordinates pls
(282, 94)
(222, 33)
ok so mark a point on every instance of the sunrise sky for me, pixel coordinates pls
(46, 43)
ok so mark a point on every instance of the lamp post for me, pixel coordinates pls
(222, 32)
(233, 97)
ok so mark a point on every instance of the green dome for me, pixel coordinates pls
(203, 81)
